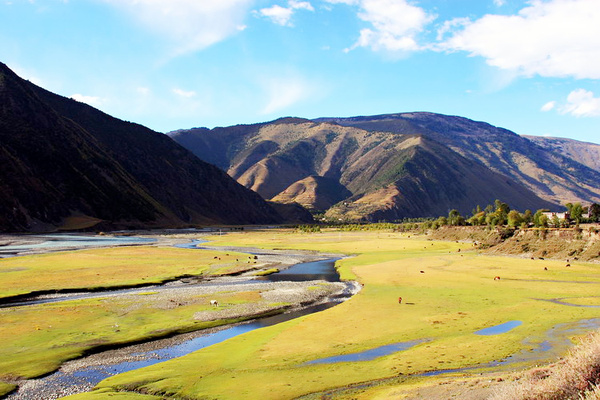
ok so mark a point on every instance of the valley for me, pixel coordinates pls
(448, 293)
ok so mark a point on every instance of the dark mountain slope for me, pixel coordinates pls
(373, 175)
(62, 158)
(549, 174)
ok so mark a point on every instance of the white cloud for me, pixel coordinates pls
(499, 3)
(555, 38)
(277, 14)
(394, 24)
(91, 100)
(191, 25)
(301, 5)
(548, 106)
(283, 15)
(184, 93)
(581, 103)
(283, 92)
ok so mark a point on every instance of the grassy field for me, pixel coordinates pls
(448, 292)
(112, 267)
(38, 339)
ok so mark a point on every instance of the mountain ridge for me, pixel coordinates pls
(390, 175)
(62, 158)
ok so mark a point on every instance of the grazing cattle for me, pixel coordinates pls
(568, 265)
(214, 303)
(545, 268)
(496, 278)
(399, 300)
(422, 272)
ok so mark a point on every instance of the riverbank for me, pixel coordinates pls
(278, 299)
(86, 323)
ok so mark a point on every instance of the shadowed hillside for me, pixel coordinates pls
(61, 158)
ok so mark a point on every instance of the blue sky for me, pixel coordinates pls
(529, 66)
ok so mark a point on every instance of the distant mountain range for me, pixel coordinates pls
(66, 164)
(388, 167)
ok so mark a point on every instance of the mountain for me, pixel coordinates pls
(355, 173)
(584, 153)
(551, 175)
(64, 161)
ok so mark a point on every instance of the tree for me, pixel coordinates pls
(576, 212)
(514, 218)
(539, 219)
(528, 217)
(455, 219)
(594, 211)
(477, 219)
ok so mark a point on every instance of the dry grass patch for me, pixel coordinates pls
(574, 377)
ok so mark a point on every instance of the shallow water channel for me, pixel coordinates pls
(75, 378)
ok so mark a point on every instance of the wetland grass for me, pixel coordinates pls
(448, 295)
(37, 339)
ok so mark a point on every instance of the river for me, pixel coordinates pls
(82, 375)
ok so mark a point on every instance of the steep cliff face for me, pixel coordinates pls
(62, 158)
(356, 173)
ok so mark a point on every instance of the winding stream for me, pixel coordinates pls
(76, 377)
(82, 375)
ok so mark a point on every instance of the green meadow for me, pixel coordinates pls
(37, 339)
(110, 267)
(448, 292)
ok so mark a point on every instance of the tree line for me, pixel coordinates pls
(500, 214)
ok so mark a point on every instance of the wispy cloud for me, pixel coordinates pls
(191, 25)
(284, 91)
(184, 93)
(91, 100)
(581, 103)
(283, 15)
(549, 106)
(556, 38)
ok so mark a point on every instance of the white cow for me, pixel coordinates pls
(214, 303)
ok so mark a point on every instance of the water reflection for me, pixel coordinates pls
(369, 355)
(498, 329)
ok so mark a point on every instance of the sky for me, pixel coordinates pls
(532, 67)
